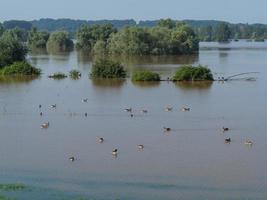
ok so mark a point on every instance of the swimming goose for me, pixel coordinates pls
(41, 113)
(227, 140)
(45, 125)
(100, 140)
(131, 115)
(72, 159)
(184, 109)
(40, 106)
(53, 106)
(140, 146)
(85, 114)
(168, 109)
(115, 152)
(167, 129)
(225, 129)
(248, 142)
(128, 109)
(144, 111)
(85, 100)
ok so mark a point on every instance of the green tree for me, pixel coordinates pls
(37, 39)
(223, 32)
(167, 23)
(87, 36)
(59, 41)
(11, 49)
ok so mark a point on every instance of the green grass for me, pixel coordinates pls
(74, 74)
(12, 187)
(191, 73)
(103, 68)
(58, 75)
(20, 68)
(145, 75)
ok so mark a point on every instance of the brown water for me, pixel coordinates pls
(190, 162)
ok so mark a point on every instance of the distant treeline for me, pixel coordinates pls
(206, 30)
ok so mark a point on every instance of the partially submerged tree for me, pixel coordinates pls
(59, 41)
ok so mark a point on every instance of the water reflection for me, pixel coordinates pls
(198, 85)
(108, 83)
(146, 84)
(17, 79)
(87, 57)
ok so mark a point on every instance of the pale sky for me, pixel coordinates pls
(245, 11)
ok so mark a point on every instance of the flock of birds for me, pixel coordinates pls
(140, 146)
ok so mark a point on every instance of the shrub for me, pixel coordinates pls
(75, 74)
(59, 41)
(145, 75)
(20, 68)
(191, 73)
(58, 75)
(104, 68)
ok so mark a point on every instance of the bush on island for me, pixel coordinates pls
(191, 73)
(145, 75)
(20, 68)
(104, 68)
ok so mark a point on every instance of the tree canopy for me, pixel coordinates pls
(37, 39)
(11, 49)
(223, 33)
(59, 41)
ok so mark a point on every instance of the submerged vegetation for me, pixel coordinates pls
(145, 75)
(20, 68)
(59, 41)
(12, 187)
(191, 73)
(75, 74)
(58, 75)
(104, 68)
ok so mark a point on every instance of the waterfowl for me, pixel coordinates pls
(184, 109)
(85, 114)
(41, 113)
(40, 106)
(72, 159)
(168, 109)
(131, 115)
(225, 129)
(53, 106)
(101, 140)
(45, 125)
(248, 142)
(144, 111)
(115, 152)
(167, 129)
(85, 100)
(128, 109)
(227, 140)
(140, 146)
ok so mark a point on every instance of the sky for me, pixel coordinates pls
(243, 11)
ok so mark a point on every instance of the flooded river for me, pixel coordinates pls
(189, 162)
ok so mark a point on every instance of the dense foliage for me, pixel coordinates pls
(37, 39)
(165, 38)
(191, 73)
(90, 37)
(11, 50)
(223, 33)
(145, 75)
(75, 74)
(103, 68)
(59, 41)
(20, 68)
(17, 33)
(11, 24)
